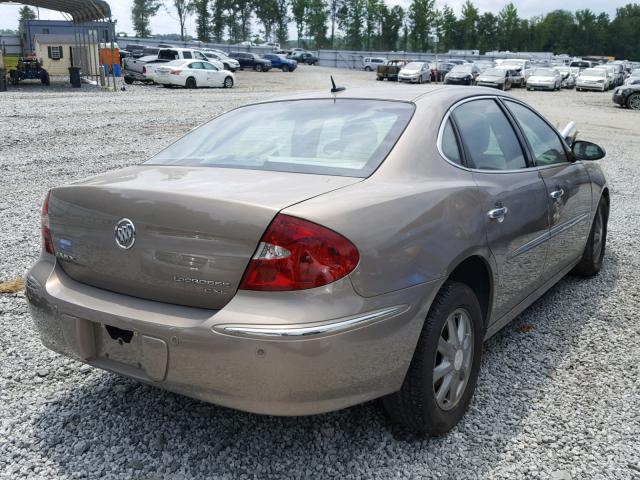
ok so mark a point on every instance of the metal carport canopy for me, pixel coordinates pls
(80, 10)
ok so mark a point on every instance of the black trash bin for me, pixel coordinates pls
(74, 76)
(3, 80)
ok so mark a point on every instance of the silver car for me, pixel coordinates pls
(299, 256)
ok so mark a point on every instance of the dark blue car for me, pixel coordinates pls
(281, 62)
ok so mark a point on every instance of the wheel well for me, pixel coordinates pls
(475, 273)
(605, 195)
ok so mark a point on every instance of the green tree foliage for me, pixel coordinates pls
(351, 18)
(317, 22)
(267, 12)
(391, 24)
(184, 8)
(448, 27)
(141, 13)
(27, 13)
(488, 32)
(468, 26)
(625, 32)
(422, 16)
(299, 12)
(203, 20)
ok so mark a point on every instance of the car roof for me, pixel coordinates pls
(400, 93)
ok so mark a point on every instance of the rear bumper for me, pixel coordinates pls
(252, 355)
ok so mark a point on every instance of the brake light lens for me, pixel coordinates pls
(296, 254)
(176, 72)
(144, 69)
(45, 231)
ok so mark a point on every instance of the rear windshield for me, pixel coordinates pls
(347, 137)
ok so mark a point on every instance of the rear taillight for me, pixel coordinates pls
(176, 72)
(295, 254)
(144, 70)
(45, 231)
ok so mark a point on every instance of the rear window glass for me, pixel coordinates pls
(347, 137)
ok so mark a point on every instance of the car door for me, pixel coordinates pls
(199, 73)
(514, 199)
(215, 77)
(568, 188)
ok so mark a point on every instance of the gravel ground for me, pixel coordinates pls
(558, 396)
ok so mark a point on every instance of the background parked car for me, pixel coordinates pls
(251, 61)
(415, 72)
(568, 79)
(634, 78)
(592, 79)
(439, 70)
(228, 63)
(496, 78)
(170, 54)
(389, 71)
(544, 79)
(463, 74)
(370, 64)
(581, 64)
(628, 96)
(193, 74)
(484, 65)
(281, 61)
(304, 57)
(611, 75)
(522, 66)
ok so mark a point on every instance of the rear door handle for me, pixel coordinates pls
(498, 213)
(557, 194)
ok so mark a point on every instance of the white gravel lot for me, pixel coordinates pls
(558, 396)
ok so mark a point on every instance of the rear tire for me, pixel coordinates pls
(128, 80)
(434, 407)
(44, 78)
(191, 83)
(591, 261)
(367, 69)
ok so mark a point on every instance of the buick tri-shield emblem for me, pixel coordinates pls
(125, 233)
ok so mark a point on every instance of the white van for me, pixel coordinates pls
(370, 64)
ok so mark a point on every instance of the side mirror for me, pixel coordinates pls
(587, 150)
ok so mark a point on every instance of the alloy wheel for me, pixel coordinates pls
(453, 360)
(598, 231)
(634, 101)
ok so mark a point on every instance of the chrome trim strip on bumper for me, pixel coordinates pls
(284, 331)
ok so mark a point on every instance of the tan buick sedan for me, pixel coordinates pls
(299, 256)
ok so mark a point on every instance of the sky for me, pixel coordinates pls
(167, 21)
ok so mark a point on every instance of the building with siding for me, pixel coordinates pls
(102, 31)
(59, 52)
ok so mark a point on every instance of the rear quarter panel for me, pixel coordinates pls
(414, 220)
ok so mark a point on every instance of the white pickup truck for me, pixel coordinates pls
(142, 69)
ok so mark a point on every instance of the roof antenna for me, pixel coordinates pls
(335, 89)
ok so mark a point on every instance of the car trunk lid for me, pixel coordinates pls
(196, 228)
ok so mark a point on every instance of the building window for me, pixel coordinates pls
(45, 31)
(55, 53)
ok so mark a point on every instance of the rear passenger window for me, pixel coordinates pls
(450, 144)
(487, 135)
(186, 54)
(545, 143)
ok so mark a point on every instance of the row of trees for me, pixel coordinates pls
(374, 25)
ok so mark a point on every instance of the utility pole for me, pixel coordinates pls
(433, 33)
